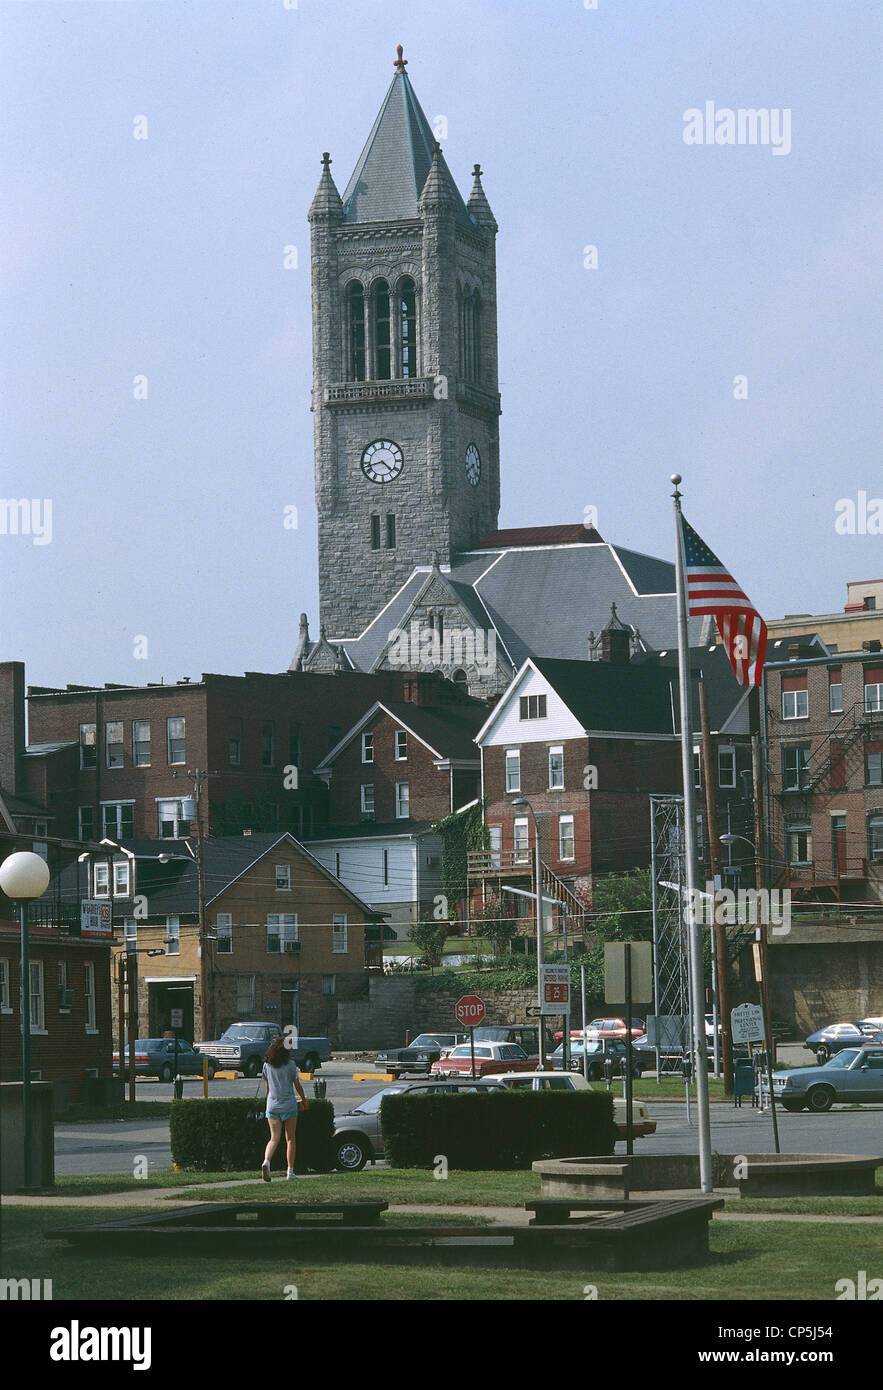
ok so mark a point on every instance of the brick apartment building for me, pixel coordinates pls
(824, 714)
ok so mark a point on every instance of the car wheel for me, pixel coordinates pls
(792, 1106)
(311, 1061)
(165, 1072)
(252, 1066)
(823, 1054)
(351, 1153)
(820, 1099)
(212, 1068)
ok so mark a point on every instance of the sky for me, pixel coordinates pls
(164, 257)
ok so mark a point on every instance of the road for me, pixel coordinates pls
(120, 1146)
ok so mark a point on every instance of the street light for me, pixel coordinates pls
(23, 877)
(520, 803)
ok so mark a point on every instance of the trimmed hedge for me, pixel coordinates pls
(500, 1129)
(229, 1136)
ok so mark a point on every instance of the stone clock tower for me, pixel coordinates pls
(405, 391)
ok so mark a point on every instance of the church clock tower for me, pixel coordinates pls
(405, 389)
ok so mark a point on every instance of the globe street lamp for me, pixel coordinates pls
(521, 803)
(23, 877)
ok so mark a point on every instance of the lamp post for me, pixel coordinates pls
(23, 877)
(521, 803)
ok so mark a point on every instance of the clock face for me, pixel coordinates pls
(382, 461)
(473, 464)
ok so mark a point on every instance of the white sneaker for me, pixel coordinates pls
(290, 1174)
(265, 1171)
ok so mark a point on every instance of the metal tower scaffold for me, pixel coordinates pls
(671, 961)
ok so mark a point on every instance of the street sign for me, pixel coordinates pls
(533, 1011)
(96, 919)
(469, 1011)
(555, 983)
(614, 971)
(747, 1023)
(177, 1018)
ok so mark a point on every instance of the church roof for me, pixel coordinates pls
(394, 165)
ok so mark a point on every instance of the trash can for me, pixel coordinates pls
(179, 1087)
(743, 1080)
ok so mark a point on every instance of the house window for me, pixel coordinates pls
(121, 881)
(175, 740)
(37, 998)
(268, 746)
(799, 844)
(101, 880)
(89, 996)
(172, 824)
(86, 822)
(835, 690)
(375, 532)
(402, 801)
(513, 770)
(5, 990)
(173, 936)
(355, 299)
(141, 742)
(234, 744)
(873, 691)
(224, 933)
(390, 531)
(795, 764)
(520, 838)
(367, 798)
(130, 933)
(329, 984)
(795, 704)
(875, 838)
(401, 746)
(565, 837)
(113, 743)
(726, 767)
(294, 744)
(495, 833)
(532, 707)
(62, 974)
(874, 769)
(556, 769)
(407, 328)
(367, 748)
(283, 878)
(88, 752)
(118, 820)
(338, 934)
(281, 932)
(245, 995)
(382, 342)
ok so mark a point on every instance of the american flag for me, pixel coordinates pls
(712, 589)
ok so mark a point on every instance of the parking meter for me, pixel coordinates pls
(319, 1088)
(687, 1067)
(608, 1071)
(178, 1087)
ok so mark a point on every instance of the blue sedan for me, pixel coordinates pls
(826, 1042)
(854, 1075)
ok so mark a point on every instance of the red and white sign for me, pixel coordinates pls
(556, 989)
(96, 918)
(470, 1011)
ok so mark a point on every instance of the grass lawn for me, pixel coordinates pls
(669, 1088)
(766, 1260)
(128, 1110)
(389, 1185)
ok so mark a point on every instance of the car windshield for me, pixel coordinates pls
(370, 1107)
(431, 1040)
(843, 1059)
(245, 1032)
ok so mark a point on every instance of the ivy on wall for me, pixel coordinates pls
(460, 832)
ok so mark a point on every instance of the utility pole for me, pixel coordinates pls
(207, 1011)
(720, 935)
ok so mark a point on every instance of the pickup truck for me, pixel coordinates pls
(242, 1048)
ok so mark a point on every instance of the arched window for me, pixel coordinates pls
(475, 373)
(461, 329)
(460, 678)
(408, 327)
(355, 300)
(382, 336)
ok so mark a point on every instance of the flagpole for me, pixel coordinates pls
(700, 1052)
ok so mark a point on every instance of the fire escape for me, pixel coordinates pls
(490, 867)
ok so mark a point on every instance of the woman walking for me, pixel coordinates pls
(283, 1079)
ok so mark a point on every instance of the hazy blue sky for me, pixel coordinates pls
(164, 257)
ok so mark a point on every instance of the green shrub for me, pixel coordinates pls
(500, 1129)
(229, 1136)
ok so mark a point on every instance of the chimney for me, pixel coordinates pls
(12, 724)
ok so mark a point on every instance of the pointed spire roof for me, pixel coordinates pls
(326, 202)
(394, 165)
(478, 204)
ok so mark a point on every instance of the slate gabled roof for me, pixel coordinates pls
(394, 165)
(604, 695)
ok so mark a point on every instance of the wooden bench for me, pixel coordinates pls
(287, 1214)
(550, 1211)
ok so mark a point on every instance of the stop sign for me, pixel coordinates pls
(469, 1011)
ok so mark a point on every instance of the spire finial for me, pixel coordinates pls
(326, 160)
(477, 171)
(436, 150)
(400, 62)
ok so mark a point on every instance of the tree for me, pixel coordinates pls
(493, 926)
(430, 938)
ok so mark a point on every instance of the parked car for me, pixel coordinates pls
(490, 1057)
(573, 1081)
(611, 1028)
(419, 1055)
(242, 1048)
(597, 1050)
(525, 1035)
(156, 1057)
(854, 1075)
(826, 1042)
(357, 1134)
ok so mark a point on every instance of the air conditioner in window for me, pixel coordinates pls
(65, 998)
(292, 948)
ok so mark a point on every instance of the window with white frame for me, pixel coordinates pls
(88, 750)
(281, 931)
(513, 769)
(875, 837)
(532, 707)
(401, 745)
(520, 837)
(224, 933)
(495, 833)
(244, 995)
(835, 692)
(101, 879)
(122, 885)
(170, 816)
(89, 996)
(130, 933)
(338, 934)
(367, 798)
(141, 742)
(795, 765)
(176, 745)
(795, 704)
(873, 696)
(329, 984)
(874, 769)
(565, 838)
(403, 800)
(798, 839)
(62, 974)
(173, 936)
(113, 743)
(726, 767)
(283, 878)
(5, 987)
(367, 748)
(556, 769)
(37, 997)
(118, 820)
